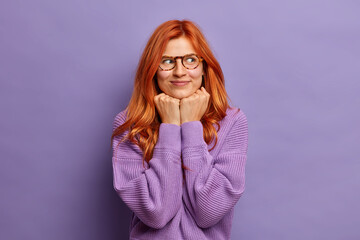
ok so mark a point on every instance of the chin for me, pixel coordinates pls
(180, 95)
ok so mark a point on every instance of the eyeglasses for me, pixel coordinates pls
(189, 61)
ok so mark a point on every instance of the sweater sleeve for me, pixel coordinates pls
(213, 186)
(153, 193)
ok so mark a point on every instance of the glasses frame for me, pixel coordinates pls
(182, 61)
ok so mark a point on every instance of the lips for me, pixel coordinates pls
(179, 83)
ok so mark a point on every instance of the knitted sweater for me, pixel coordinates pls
(163, 207)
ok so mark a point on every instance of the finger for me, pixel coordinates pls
(172, 97)
(204, 91)
(159, 95)
(201, 92)
(164, 97)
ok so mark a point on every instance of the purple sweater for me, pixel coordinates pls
(201, 208)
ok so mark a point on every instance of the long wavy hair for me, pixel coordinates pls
(142, 119)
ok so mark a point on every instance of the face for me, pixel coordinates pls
(179, 82)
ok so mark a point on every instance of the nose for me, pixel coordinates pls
(179, 69)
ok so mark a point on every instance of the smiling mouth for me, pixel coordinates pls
(179, 83)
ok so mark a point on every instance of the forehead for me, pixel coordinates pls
(179, 47)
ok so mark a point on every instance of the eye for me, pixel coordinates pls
(191, 60)
(167, 61)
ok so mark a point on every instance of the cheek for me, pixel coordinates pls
(196, 73)
(162, 75)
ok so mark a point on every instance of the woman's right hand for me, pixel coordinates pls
(168, 108)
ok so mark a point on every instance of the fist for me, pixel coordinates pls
(168, 108)
(194, 107)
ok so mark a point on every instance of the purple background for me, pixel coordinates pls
(67, 69)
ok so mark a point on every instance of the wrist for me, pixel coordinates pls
(188, 120)
(172, 122)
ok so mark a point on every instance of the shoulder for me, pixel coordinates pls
(234, 116)
(119, 119)
(123, 147)
(235, 133)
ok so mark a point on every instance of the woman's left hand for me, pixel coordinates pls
(193, 107)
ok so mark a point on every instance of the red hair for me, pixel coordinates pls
(142, 120)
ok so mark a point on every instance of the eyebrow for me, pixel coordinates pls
(179, 56)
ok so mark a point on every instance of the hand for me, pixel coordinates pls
(193, 107)
(168, 108)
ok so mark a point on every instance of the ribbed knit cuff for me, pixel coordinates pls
(169, 137)
(192, 134)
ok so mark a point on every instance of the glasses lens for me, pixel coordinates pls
(167, 63)
(191, 61)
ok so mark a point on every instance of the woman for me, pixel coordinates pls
(179, 150)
